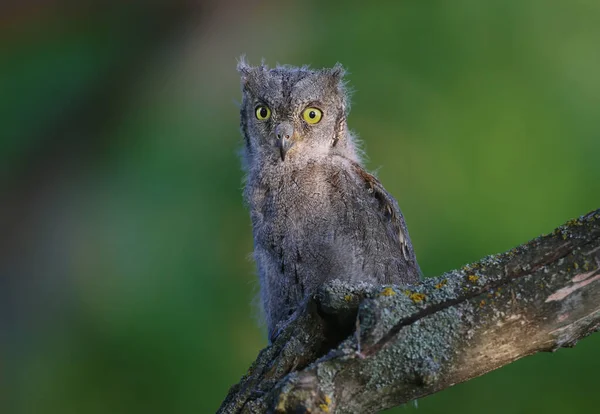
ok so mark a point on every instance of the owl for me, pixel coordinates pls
(316, 213)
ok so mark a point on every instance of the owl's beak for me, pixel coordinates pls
(284, 144)
(284, 132)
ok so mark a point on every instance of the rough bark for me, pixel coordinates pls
(361, 349)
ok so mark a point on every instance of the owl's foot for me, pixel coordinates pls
(281, 326)
(285, 323)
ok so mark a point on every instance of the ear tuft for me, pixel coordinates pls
(337, 71)
(243, 67)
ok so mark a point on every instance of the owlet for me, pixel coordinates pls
(316, 214)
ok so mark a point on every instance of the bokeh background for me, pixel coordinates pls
(125, 279)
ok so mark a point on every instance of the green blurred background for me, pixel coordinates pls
(125, 279)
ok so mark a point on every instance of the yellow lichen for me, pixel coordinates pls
(280, 408)
(576, 266)
(417, 297)
(473, 278)
(325, 405)
(441, 284)
(388, 291)
(482, 303)
(348, 298)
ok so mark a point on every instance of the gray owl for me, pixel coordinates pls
(317, 215)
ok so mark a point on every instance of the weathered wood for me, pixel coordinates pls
(367, 348)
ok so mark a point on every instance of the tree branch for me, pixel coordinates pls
(362, 348)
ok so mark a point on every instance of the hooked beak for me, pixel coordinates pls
(284, 133)
(284, 145)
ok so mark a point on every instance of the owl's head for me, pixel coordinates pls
(293, 113)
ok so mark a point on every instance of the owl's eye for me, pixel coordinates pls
(312, 115)
(263, 113)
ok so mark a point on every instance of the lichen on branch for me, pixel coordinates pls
(362, 348)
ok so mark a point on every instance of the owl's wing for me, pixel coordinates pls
(390, 209)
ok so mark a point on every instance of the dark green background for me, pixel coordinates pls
(126, 283)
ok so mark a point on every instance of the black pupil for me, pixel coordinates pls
(263, 112)
(312, 114)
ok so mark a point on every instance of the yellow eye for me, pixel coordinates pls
(312, 115)
(263, 113)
